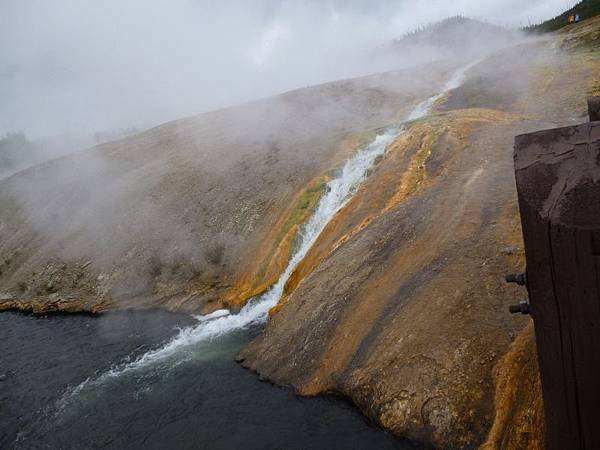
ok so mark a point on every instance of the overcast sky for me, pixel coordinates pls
(80, 66)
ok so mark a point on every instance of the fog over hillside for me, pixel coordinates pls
(85, 67)
(320, 190)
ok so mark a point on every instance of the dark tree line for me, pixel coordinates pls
(585, 8)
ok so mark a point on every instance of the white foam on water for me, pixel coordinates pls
(213, 315)
(339, 191)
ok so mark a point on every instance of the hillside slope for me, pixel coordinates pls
(173, 216)
(401, 305)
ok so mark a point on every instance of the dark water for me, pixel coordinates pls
(202, 400)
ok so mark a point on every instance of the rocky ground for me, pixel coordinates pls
(400, 305)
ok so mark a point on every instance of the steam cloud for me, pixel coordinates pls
(80, 67)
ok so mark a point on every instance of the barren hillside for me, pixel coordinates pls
(401, 305)
(173, 216)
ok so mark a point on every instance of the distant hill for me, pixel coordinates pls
(586, 10)
(454, 32)
(454, 37)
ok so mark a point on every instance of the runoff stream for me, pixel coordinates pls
(161, 380)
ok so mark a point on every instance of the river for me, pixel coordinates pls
(208, 401)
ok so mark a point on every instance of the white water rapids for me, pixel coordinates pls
(339, 191)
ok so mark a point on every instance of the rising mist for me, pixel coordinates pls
(86, 67)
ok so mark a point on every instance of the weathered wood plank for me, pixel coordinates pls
(558, 182)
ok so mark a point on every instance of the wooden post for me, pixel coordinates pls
(594, 108)
(558, 183)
